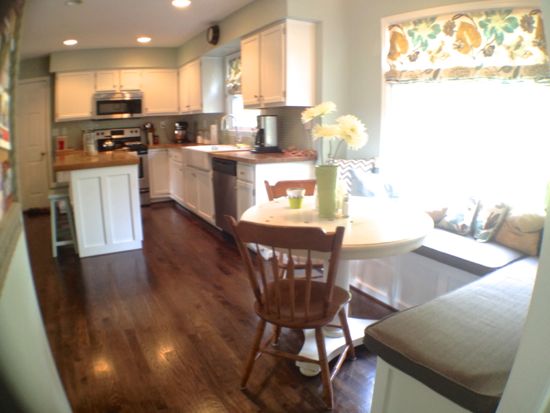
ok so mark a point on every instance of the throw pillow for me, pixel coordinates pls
(368, 184)
(459, 217)
(346, 166)
(522, 232)
(488, 219)
(437, 214)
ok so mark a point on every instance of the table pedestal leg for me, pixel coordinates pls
(334, 338)
(334, 345)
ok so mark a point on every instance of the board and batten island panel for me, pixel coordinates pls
(104, 193)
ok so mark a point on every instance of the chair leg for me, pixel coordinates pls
(325, 372)
(53, 225)
(347, 334)
(70, 217)
(253, 353)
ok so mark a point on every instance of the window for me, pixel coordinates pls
(241, 118)
(481, 138)
(466, 107)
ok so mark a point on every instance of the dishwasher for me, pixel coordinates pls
(225, 191)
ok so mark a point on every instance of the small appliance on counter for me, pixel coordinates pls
(266, 137)
(180, 132)
(150, 137)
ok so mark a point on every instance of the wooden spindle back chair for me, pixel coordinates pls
(293, 302)
(279, 189)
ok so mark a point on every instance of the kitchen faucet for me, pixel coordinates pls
(223, 126)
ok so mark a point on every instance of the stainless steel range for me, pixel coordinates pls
(127, 139)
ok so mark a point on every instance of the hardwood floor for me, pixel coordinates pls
(167, 328)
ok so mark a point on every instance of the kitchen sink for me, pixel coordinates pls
(199, 156)
(217, 148)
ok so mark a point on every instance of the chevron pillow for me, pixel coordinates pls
(346, 166)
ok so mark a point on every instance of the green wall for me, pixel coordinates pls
(98, 59)
(34, 68)
(232, 28)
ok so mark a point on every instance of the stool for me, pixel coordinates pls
(55, 196)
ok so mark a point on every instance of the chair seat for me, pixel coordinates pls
(316, 315)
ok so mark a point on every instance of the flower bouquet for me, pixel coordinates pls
(347, 129)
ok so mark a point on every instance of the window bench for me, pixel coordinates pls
(454, 353)
(445, 262)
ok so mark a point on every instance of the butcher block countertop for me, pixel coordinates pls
(257, 158)
(74, 160)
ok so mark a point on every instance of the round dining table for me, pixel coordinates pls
(375, 228)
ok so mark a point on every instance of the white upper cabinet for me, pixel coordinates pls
(201, 86)
(278, 65)
(130, 79)
(73, 95)
(250, 70)
(74, 90)
(112, 80)
(160, 93)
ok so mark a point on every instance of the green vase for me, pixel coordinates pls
(326, 176)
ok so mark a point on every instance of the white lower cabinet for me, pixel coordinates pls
(199, 193)
(177, 180)
(106, 209)
(205, 199)
(245, 196)
(191, 188)
(159, 174)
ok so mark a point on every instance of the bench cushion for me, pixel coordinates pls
(463, 344)
(466, 253)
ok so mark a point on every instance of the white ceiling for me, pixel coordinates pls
(100, 24)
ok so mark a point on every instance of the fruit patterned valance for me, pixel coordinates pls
(500, 43)
(233, 76)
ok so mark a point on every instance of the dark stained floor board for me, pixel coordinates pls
(167, 328)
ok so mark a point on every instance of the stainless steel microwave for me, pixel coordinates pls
(118, 105)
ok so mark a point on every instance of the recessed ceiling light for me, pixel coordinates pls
(70, 42)
(144, 39)
(73, 2)
(181, 4)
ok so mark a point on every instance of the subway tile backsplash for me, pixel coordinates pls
(291, 132)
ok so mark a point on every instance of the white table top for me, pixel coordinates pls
(375, 227)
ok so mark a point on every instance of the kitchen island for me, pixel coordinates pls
(104, 194)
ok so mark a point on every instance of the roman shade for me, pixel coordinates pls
(501, 44)
(233, 77)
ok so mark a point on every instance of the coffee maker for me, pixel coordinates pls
(266, 137)
(180, 132)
